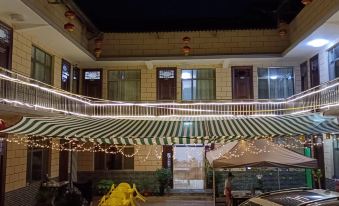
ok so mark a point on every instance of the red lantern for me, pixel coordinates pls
(282, 30)
(98, 42)
(97, 52)
(70, 14)
(186, 39)
(306, 2)
(69, 27)
(2, 125)
(186, 50)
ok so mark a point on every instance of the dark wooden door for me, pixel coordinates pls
(242, 80)
(166, 84)
(304, 76)
(92, 83)
(314, 71)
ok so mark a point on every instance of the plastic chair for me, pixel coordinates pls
(138, 195)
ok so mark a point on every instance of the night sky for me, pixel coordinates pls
(187, 15)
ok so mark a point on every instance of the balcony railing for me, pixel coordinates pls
(22, 91)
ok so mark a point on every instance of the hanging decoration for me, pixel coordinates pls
(2, 124)
(98, 43)
(283, 29)
(186, 49)
(69, 26)
(306, 2)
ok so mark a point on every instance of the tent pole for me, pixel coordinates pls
(278, 179)
(213, 186)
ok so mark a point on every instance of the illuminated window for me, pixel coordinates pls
(124, 85)
(333, 57)
(275, 83)
(198, 84)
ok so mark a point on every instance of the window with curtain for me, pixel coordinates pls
(275, 83)
(124, 85)
(41, 66)
(198, 84)
(333, 57)
(116, 161)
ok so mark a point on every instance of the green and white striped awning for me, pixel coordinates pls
(173, 130)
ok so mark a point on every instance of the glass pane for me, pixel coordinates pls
(130, 90)
(203, 74)
(113, 75)
(186, 74)
(114, 161)
(281, 83)
(129, 161)
(131, 75)
(39, 72)
(99, 161)
(48, 60)
(40, 56)
(336, 157)
(166, 74)
(262, 73)
(113, 90)
(188, 167)
(336, 69)
(263, 89)
(37, 165)
(203, 90)
(187, 90)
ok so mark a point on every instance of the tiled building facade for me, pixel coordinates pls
(245, 44)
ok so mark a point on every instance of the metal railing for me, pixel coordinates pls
(23, 91)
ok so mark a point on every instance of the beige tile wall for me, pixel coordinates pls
(147, 158)
(202, 43)
(16, 166)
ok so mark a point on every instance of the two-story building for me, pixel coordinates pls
(71, 49)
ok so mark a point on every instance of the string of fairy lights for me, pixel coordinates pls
(176, 106)
(152, 151)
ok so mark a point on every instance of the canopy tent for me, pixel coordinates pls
(173, 130)
(257, 153)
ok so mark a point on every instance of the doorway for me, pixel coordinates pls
(189, 167)
(92, 83)
(242, 82)
(166, 84)
(304, 76)
(314, 71)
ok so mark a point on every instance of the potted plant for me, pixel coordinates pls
(163, 176)
(145, 186)
(103, 186)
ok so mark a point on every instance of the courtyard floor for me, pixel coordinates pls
(170, 201)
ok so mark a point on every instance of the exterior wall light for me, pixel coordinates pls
(318, 42)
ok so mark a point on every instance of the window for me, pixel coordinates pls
(333, 56)
(65, 75)
(275, 83)
(37, 164)
(198, 84)
(41, 66)
(124, 85)
(116, 161)
(76, 80)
